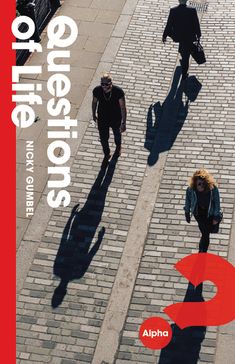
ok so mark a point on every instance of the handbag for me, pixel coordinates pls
(197, 53)
(215, 228)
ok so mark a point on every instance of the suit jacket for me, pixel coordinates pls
(182, 24)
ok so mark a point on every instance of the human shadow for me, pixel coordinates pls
(165, 121)
(74, 255)
(185, 344)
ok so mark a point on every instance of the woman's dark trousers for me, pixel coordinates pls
(204, 224)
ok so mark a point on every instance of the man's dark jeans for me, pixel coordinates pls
(204, 224)
(104, 137)
(185, 50)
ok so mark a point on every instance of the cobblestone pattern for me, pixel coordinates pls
(206, 140)
(68, 334)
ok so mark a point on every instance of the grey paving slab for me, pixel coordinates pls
(80, 3)
(121, 25)
(96, 44)
(91, 29)
(21, 203)
(80, 13)
(20, 231)
(110, 5)
(108, 16)
(40, 180)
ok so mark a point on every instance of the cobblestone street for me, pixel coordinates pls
(134, 218)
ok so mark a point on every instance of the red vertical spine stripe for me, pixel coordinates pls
(8, 187)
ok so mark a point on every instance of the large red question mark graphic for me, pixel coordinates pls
(220, 310)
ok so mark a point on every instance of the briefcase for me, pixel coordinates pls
(197, 53)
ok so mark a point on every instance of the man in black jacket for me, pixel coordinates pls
(184, 28)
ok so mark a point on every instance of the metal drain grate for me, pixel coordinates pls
(200, 7)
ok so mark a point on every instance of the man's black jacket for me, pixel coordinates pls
(182, 24)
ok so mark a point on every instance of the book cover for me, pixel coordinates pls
(107, 268)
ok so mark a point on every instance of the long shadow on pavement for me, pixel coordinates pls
(165, 121)
(185, 344)
(74, 255)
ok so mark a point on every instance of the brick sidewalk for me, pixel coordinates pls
(201, 135)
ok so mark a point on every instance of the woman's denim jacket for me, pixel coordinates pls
(191, 202)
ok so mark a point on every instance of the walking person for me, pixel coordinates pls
(203, 202)
(109, 111)
(184, 28)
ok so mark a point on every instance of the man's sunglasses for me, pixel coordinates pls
(200, 183)
(105, 83)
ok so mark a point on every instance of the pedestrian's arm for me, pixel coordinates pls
(187, 205)
(168, 28)
(122, 104)
(94, 107)
(187, 201)
(197, 26)
(216, 198)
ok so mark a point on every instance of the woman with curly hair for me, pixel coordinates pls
(203, 202)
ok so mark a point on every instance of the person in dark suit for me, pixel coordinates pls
(184, 28)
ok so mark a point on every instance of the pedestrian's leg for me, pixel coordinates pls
(185, 54)
(208, 224)
(204, 242)
(205, 238)
(104, 139)
(118, 141)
